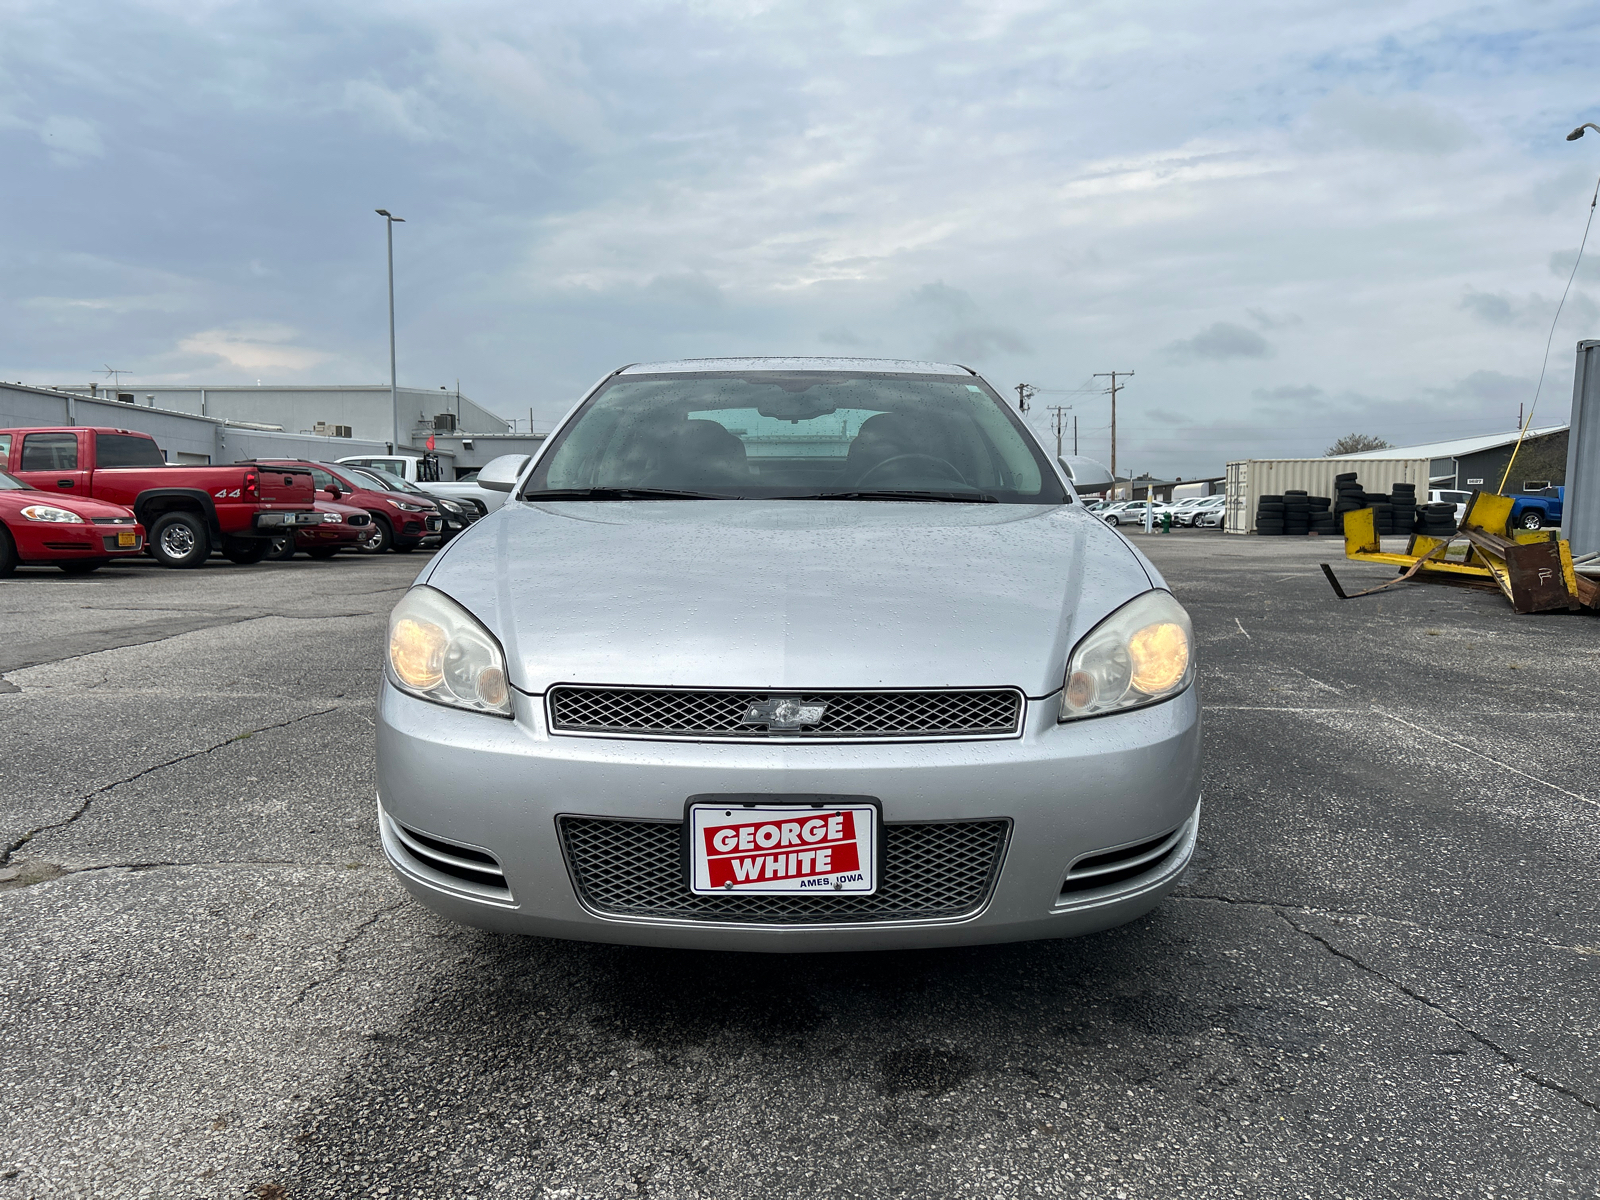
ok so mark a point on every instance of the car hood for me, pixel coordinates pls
(789, 594)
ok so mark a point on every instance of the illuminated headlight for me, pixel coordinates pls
(1141, 654)
(48, 512)
(439, 652)
(332, 518)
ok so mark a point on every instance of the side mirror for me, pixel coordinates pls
(501, 474)
(333, 491)
(1087, 474)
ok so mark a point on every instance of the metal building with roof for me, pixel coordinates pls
(1480, 462)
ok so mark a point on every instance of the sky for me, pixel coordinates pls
(1290, 220)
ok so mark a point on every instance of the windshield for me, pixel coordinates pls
(8, 484)
(795, 435)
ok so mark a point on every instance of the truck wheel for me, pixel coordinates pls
(246, 551)
(1532, 519)
(8, 552)
(281, 547)
(82, 566)
(378, 539)
(179, 540)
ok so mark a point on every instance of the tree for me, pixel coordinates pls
(1357, 443)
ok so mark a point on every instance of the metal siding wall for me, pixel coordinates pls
(1274, 476)
(1581, 510)
(245, 444)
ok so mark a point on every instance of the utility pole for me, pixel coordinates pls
(1058, 409)
(389, 221)
(1024, 390)
(1114, 389)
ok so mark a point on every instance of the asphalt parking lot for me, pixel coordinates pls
(1380, 978)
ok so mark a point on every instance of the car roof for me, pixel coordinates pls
(899, 366)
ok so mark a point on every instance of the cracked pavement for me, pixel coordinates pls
(1380, 978)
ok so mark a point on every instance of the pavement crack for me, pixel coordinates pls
(1487, 1043)
(1555, 787)
(85, 801)
(344, 948)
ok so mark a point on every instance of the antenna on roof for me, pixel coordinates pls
(115, 374)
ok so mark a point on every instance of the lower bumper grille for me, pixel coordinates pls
(462, 867)
(934, 871)
(1109, 868)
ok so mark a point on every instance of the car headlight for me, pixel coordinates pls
(401, 504)
(449, 507)
(48, 512)
(1141, 654)
(333, 518)
(438, 651)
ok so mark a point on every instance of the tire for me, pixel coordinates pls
(179, 541)
(281, 547)
(8, 553)
(1110, 519)
(1531, 519)
(377, 539)
(322, 551)
(81, 566)
(246, 551)
(405, 547)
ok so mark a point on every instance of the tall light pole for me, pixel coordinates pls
(389, 220)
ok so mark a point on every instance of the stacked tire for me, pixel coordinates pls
(1270, 516)
(1322, 516)
(1403, 502)
(1348, 497)
(1436, 520)
(1382, 514)
(1296, 513)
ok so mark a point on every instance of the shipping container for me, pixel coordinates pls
(1253, 478)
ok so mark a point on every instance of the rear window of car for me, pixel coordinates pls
(125, 450)
(49, 452)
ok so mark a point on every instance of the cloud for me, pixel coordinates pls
(1274, 321)
(961, 331)
(1529, 312)
(1218, 343)
(838, 335)
(1405, 124)
(400, 112)
(1300, 393)
(72, 141)
(254, 348)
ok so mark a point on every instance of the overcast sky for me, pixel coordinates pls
(1291, 219)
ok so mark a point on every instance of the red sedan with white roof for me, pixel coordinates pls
(71, 532)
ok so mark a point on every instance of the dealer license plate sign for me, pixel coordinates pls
(127, 539)
(782, 849)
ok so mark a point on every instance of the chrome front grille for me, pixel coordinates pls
(846, 716)
(932, 871)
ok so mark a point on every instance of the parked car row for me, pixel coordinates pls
(80, 497)
(1189, 511)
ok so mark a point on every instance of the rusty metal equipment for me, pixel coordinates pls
(1533, 568)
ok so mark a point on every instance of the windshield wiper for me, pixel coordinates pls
(620, 493)
(880, 494)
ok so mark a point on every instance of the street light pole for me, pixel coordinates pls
(394, 391)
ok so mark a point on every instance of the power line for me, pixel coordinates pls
(1113, 389)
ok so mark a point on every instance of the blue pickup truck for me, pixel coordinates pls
(1539, 510)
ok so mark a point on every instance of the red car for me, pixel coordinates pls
(343, 528)
(43, 529)
(400, 521)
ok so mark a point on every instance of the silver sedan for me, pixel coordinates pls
(789, 654)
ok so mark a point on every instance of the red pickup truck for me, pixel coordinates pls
(188, 511)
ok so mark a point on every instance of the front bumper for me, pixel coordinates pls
(1069, 791)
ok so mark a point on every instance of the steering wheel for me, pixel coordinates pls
(941, 467)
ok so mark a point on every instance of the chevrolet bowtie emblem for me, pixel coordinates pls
(783, 712)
